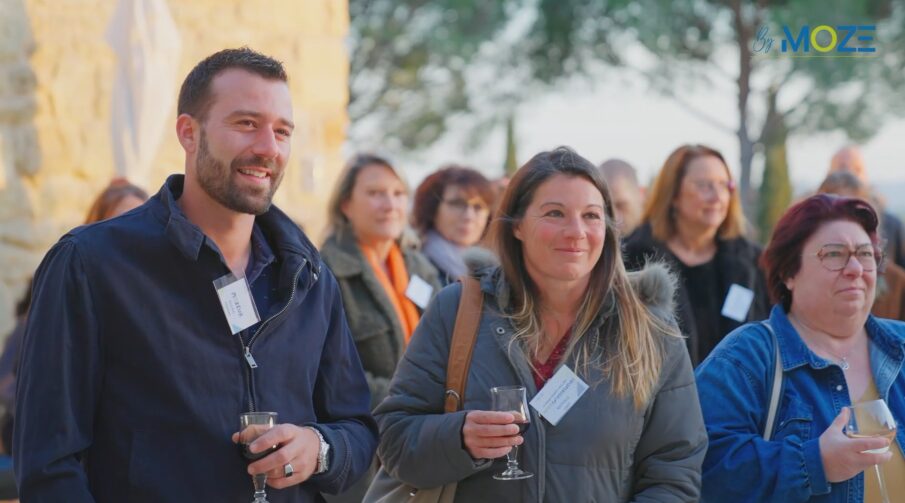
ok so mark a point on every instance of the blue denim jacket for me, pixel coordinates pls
(734, 387)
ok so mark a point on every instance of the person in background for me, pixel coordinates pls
(451, 212)
(693, 220)
(375, 260)
(117, 198)
(821, 267)
(561, 301)
(890, 299)
(892, 230)
(385, 281)
(627, 194)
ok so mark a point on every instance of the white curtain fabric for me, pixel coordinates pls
(147, 45)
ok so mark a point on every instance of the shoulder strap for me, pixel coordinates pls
(460, 349)
(776, 388)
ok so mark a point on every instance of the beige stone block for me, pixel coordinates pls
(56, 73)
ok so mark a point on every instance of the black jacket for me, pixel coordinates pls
(130, 384)
(737, 263)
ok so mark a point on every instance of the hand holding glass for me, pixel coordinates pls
(512, 399)
(251, 426)
(872, 419)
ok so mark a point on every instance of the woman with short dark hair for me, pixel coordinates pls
(821, 267)
(451, 212)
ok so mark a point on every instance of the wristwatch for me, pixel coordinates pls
(323, 454)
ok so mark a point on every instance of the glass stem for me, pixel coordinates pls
(512, 459)
(260, 483)
(883, 493)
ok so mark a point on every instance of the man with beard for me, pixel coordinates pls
(152, 332)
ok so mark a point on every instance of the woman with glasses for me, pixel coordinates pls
(890, 301)
(821, 268)
(451, 211)
(693, 221)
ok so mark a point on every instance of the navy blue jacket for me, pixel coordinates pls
(131, 383)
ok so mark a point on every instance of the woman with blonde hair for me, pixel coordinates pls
(560, 304)
(375, 265)
(693, 221)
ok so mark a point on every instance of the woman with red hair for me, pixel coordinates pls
(821, 267)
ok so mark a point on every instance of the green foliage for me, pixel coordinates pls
(408, 63)
(411, 61)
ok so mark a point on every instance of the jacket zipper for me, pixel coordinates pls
(246, 347)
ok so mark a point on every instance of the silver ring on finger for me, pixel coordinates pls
(287, 470)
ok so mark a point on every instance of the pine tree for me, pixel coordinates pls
(511, 164)
(775, 188)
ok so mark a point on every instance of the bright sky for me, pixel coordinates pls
(616, 120)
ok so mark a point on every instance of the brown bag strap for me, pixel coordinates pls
(468, 317)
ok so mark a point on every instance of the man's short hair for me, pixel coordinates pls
(617, 168)
(195, 95)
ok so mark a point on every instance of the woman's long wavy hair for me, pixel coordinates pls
(630, 355)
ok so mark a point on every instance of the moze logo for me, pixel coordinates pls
(836, 40)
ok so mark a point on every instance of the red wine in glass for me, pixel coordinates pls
(254, 456)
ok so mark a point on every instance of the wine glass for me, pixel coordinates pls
(872, 419)
(512, 399)
(251, 426)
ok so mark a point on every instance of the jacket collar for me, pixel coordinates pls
(290, 245)
(347, 260)
(282, 233)
(795, 353)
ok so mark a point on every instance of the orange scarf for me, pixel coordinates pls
(394, 286)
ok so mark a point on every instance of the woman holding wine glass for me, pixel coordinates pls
(613, 408)
(821, 266)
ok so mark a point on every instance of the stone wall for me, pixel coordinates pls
(56, 75)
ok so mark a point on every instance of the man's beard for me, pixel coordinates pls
(219, 181)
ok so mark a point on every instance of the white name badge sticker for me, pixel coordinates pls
(419, 291)
(558, 395)
(237, 302)
(737, 303)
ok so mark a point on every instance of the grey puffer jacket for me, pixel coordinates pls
(603, 450)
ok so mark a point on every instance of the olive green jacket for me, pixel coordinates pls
(375, 326)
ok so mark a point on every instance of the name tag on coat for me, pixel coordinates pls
(558, 395)
(737, 303)
(419, 291)
(237, 302)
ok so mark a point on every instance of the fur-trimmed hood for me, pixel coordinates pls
(655, 284)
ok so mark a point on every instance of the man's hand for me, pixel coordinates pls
(298, 446)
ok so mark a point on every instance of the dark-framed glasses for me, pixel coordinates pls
(462, 206)
(835, 257)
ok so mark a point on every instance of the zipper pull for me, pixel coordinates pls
(250, 359)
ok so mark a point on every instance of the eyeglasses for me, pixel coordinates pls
(461, 206)
(835, 257)
(716, 187)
